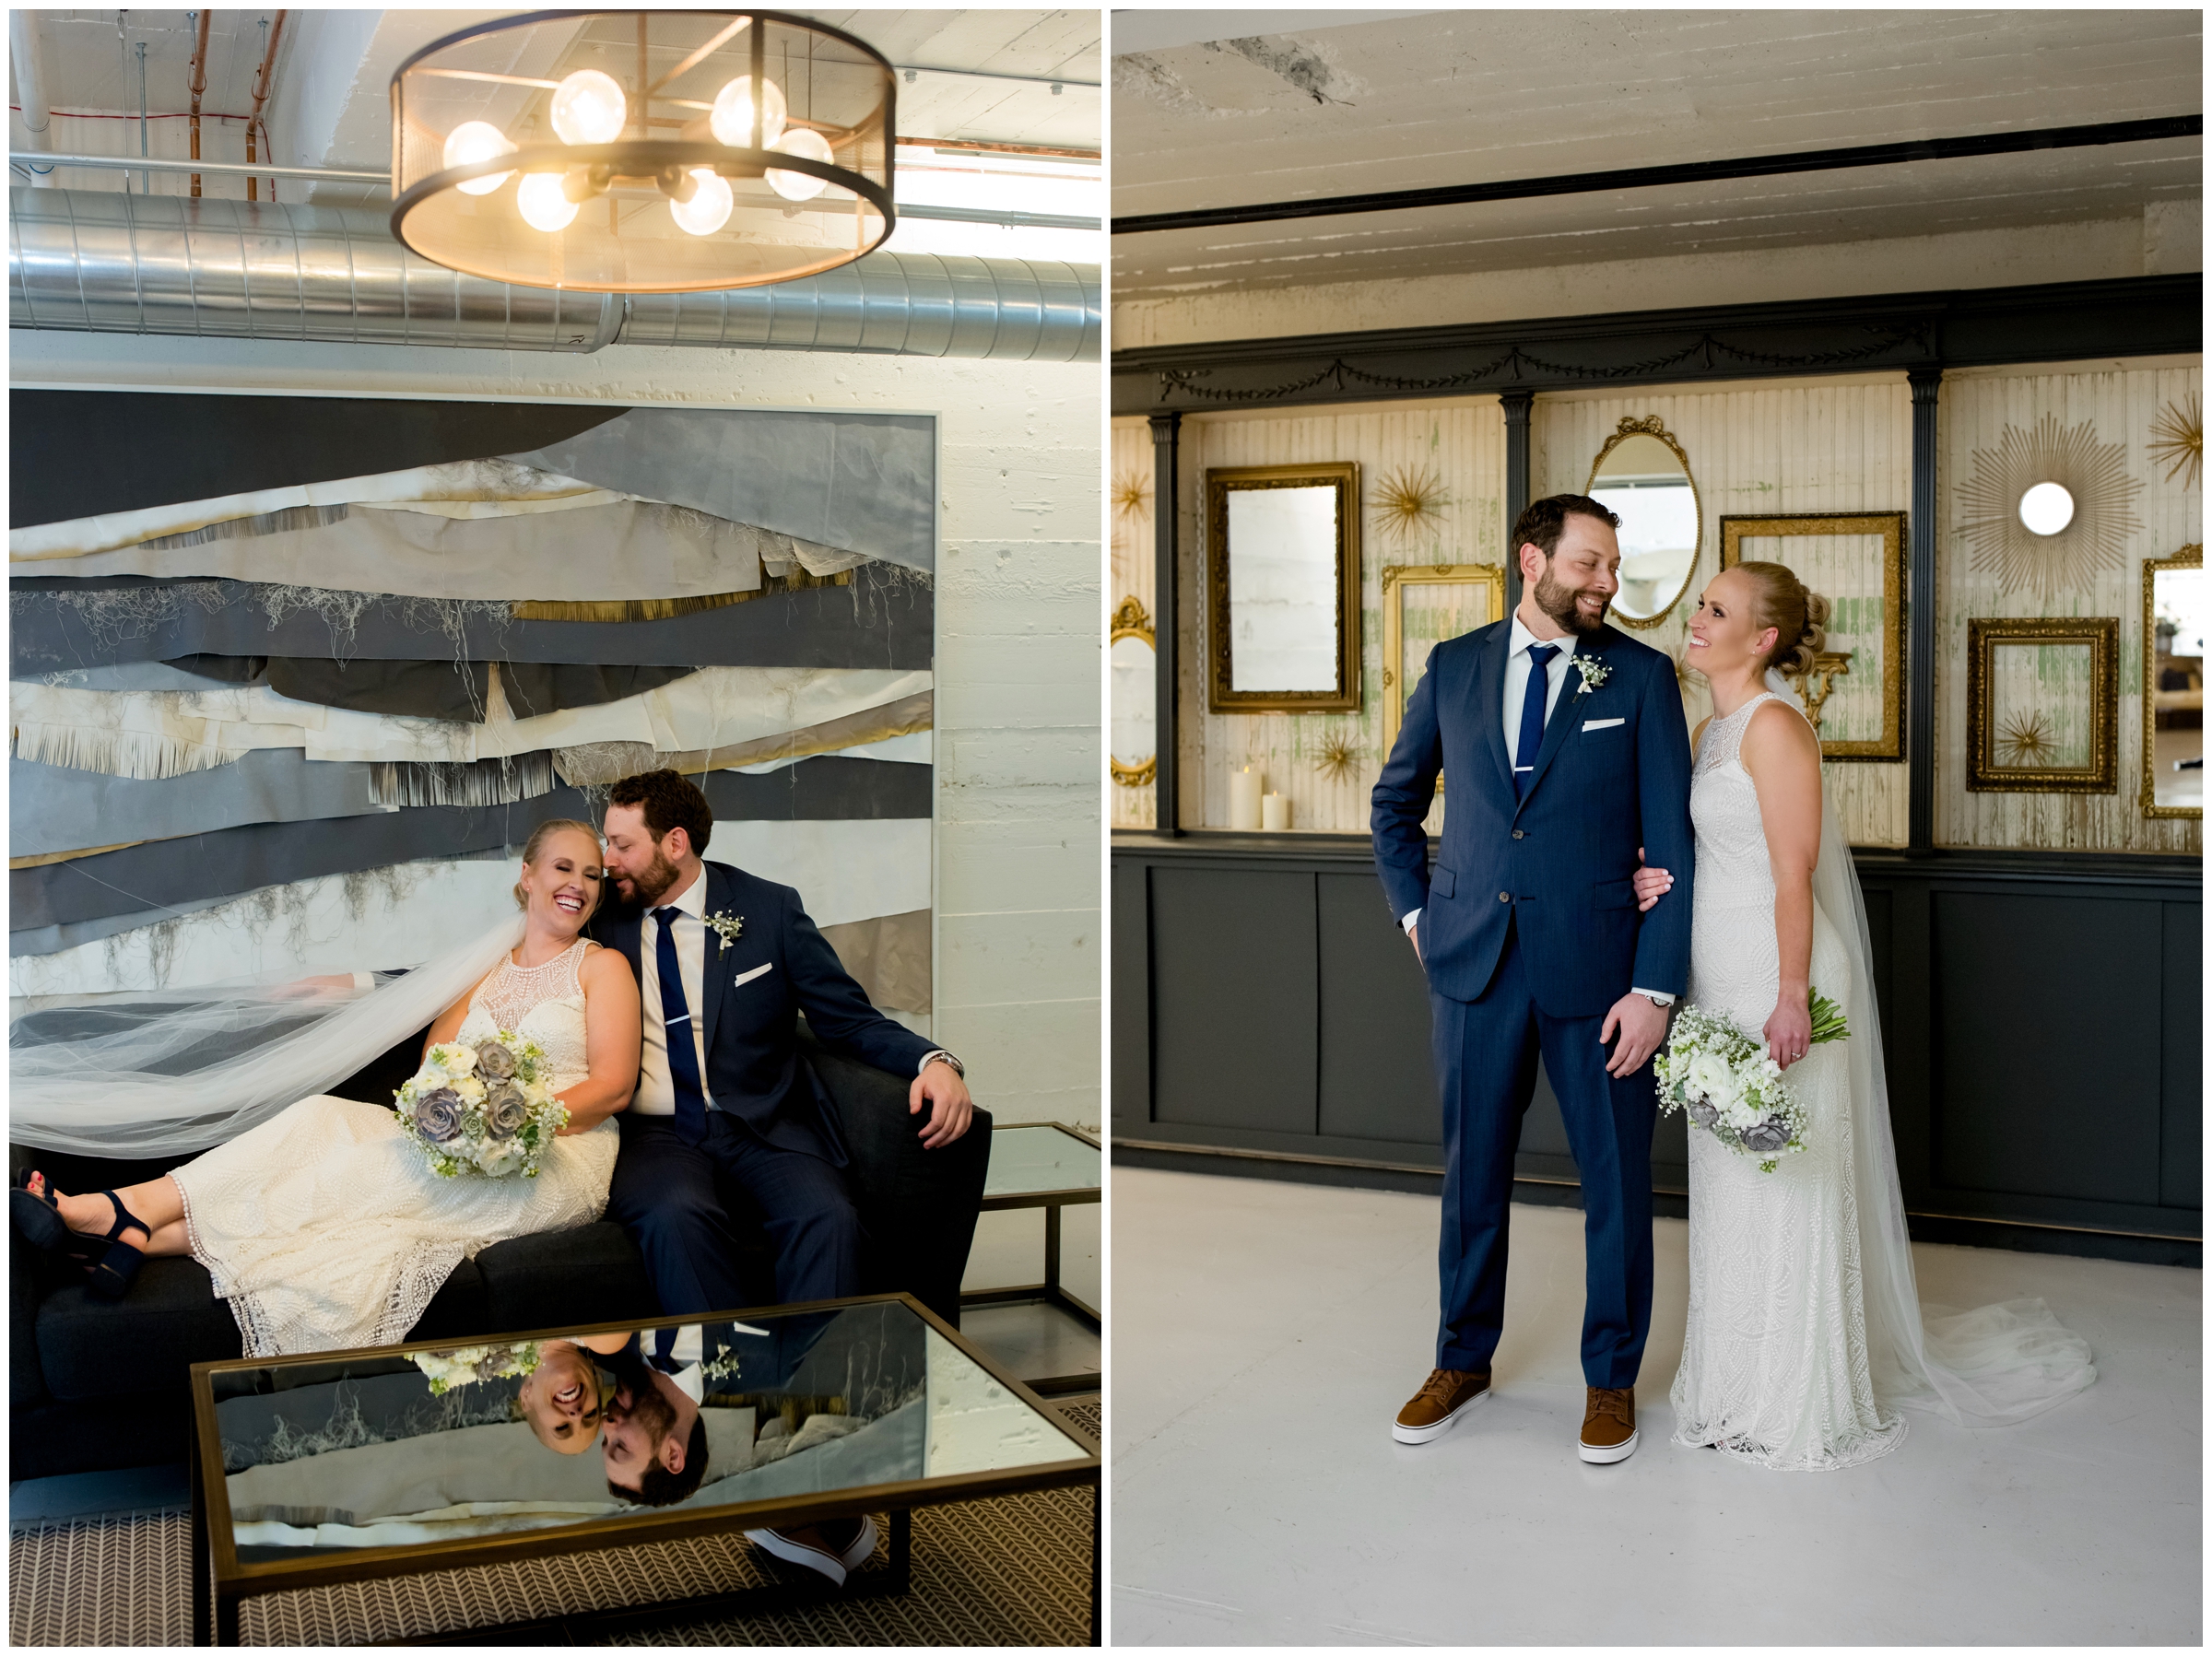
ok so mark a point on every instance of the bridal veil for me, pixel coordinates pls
(157, 1073)
(1987, 1367)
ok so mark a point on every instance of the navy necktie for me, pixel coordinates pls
(1531, 718)
(675, 1018)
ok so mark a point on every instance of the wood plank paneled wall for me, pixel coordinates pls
(1460, 443)
(2119, 402)
(1763, 450)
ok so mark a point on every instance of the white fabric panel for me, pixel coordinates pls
(463, 488)
(403, 916)
(916, 747)
(149, 734)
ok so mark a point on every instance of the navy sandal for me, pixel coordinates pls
(111, 1277)
(38, 1220)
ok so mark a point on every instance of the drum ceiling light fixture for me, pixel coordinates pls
(661, 151)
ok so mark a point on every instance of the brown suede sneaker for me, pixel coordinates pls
(1446, 1395)
(1609, 1425)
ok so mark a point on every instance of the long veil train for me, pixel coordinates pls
(153, 1073)
(1991, 1366)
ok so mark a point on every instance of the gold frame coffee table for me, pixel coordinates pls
(995, 1429)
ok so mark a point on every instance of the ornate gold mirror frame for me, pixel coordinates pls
(1397, 578)
(2001, 753)
(1220, 483)
(1653, 427)
(1129, 621)
(2188, 557)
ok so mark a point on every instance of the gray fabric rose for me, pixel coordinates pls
(505, 1109)
(494, 1061)
(438, 1116)
(1768, 1136)
(1703, 1113)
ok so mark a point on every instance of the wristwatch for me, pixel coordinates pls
(941, 1056)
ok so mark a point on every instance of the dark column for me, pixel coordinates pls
(1919, 616)
(1166, 499)
(1516, 484)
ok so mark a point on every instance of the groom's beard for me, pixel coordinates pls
(1558, 603)
(650, 885)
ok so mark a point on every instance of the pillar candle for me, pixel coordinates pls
(1244, 797)
(1275, 812)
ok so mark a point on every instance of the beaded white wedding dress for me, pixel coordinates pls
(1774, 1363)
(1805, 1325)
(326, 1227)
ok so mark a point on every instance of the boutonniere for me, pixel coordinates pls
(1593, 672)
(728, 927)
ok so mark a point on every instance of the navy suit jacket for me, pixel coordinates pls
(1556, 864)
(754, 1068)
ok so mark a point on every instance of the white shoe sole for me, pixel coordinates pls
(1607, 1457)
(1428, 1434)
(791, 1552)
(863, 1547)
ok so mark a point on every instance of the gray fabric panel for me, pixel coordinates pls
(883, 619)
(170, 873)
(141, 675)
(447, 690)
(535, 689)
(52, 940)
(428, 689)
(859, 482)
(53, 808)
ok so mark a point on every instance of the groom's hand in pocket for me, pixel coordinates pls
(940, 1086)
(1641, 1027)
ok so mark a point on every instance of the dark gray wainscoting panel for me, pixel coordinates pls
(2040, 1020)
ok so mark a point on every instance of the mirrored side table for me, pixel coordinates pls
(1048, 1166)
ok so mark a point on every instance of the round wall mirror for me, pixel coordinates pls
(1131, 744)
(2047, 508)
(1643, 477)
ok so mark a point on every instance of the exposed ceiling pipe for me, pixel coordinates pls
(26, 51)
(107, 262)
(199, 86)
(261, 97)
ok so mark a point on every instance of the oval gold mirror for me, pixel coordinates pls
(1643, 477)
(1132, 745)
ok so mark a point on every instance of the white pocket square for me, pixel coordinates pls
(1591, 724)
(743, 978)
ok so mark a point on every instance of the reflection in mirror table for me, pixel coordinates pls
(346, 1466)
(1051, 1167)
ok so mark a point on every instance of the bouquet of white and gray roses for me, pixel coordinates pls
(1729, 1086)
(487, 1108)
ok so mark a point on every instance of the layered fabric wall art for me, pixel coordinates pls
(294, 677)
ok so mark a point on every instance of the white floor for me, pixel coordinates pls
(1266, 1333)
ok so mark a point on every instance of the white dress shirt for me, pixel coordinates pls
(1516, 698)
(656, 1088)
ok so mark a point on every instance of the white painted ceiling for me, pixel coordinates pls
(1402, 102)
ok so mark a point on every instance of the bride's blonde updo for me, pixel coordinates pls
(538, 836)
(1798, 615)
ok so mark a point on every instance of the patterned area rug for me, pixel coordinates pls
(1012, 1571)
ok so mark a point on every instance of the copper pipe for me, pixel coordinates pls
(260, 96)
(199, 85)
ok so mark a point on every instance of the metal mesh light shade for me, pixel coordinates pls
(626, 152)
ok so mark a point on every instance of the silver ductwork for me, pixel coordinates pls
(108, 262)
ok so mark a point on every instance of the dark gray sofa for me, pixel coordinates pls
(95, 1384)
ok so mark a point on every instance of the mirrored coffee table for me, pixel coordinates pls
(346, 1466)
(1048, 1166)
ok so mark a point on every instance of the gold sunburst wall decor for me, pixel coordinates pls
(2093, 541)
(1409, 503)
(2177, 442)
(1338, 756)
(1132, 496)
(2027, 741)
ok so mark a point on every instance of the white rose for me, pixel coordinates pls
(453, 1058)
(1710, 1077)
(470, 1089)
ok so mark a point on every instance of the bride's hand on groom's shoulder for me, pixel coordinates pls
(940, 1087)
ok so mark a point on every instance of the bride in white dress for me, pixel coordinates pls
(1804, 1329)
(326, 1227)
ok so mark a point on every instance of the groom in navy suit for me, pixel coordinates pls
(725, 961)
(1569, 760)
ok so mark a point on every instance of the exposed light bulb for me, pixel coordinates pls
(800, 186)
(478, 141)
(709, 208)
(543, 203)
(731, 121)
(589, 108)
(2047, 508)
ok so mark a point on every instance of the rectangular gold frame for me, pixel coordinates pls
(1397, 578)
(1890, 525)
(1344, 476)
(2102, 634)
(2188, 557)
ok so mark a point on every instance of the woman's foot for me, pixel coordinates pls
(100, 1216)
